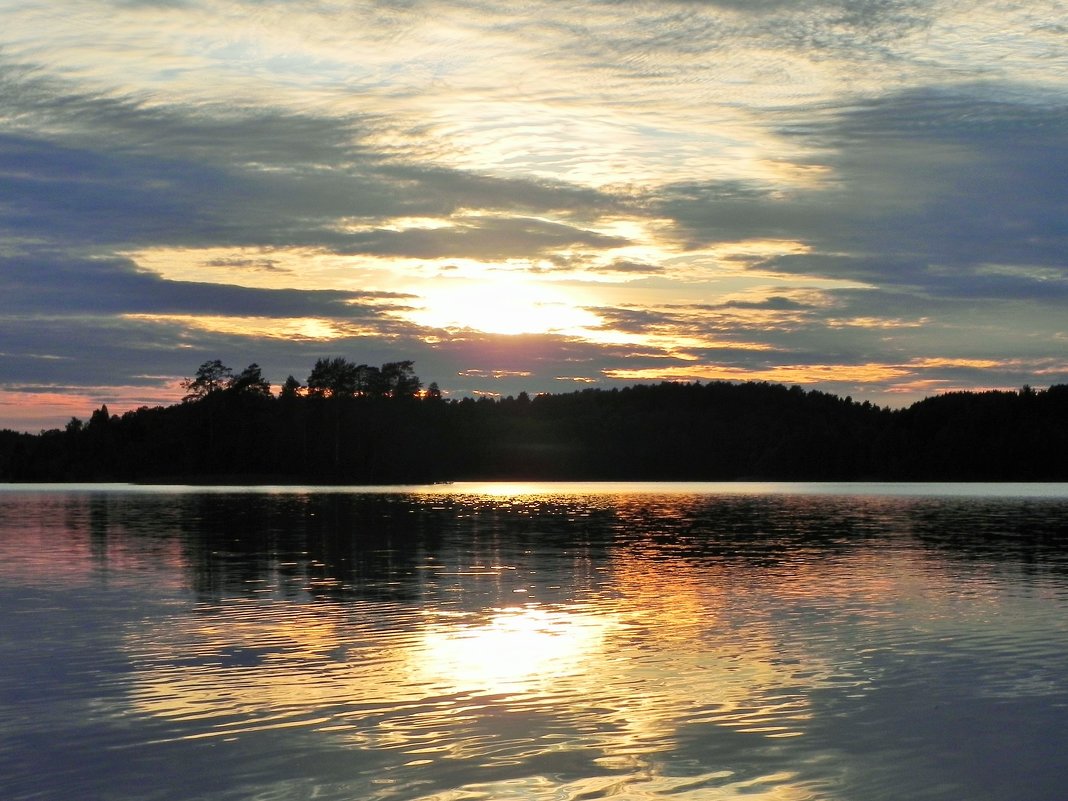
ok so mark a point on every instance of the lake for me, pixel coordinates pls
(546, 641)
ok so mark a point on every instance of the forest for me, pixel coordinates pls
(359, 424)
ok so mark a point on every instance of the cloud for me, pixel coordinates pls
(135, 174)
(484, 238)
(51, 283)
(758, 186)
(945, 192)
(256, 265)
(773, 303)
(626, 266)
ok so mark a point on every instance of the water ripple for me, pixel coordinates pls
(563, 647)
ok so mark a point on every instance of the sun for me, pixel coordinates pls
(502, 307)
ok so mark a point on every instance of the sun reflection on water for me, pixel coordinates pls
(661, 645)
(516, 649)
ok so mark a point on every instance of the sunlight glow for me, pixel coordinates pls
(506, 489)
(781, 374)
(934, 362)
(38, 408)
(513, 650)
(502, 306)
(295, 328)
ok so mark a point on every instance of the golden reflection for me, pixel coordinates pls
(515, 650)
(502, 489)
(244, 660)
(681, 651)
(723, 677)
(661, 653)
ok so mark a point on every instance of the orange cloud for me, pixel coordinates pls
(781, 374)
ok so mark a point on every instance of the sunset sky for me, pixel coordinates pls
(867, 197)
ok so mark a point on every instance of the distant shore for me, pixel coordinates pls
(666, 432)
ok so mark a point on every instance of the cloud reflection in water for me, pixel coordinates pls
(444, 647)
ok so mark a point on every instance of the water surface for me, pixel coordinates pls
(831, 642)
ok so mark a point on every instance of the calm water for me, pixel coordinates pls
(786, 642)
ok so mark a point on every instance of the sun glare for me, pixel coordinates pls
(514, 649)
(502, 307)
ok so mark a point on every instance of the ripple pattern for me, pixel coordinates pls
(428, 648)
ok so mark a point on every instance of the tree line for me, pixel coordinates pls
(362, 424)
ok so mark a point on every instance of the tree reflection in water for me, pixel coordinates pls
(456, 644)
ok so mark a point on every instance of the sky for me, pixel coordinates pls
(864, 197)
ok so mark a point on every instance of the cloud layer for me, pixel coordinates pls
(865, 197)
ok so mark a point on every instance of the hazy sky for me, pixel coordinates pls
(868, 197)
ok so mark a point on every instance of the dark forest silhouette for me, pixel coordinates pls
(355, 423)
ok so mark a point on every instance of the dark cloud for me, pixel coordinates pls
(773, 303)
(144, 175)
(982, 177)
(63, 194)
(721, 322)
(52, 283)
(487, 238)
(929, 190)
(213, 133)
(65, 352)
(439, 191)
(255, 265)
(633, 320)
(84, 347)
(718, 211)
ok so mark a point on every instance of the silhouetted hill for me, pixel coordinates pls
(234, 432)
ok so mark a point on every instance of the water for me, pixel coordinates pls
(691, 642)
